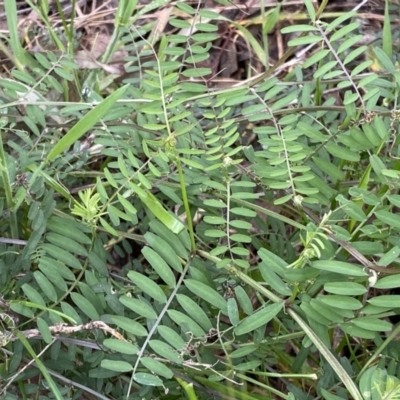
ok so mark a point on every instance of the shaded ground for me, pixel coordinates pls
(233, 57)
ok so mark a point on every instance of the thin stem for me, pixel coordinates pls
(186, 205)
(156, 324)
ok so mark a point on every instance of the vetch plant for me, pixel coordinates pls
(193, 240)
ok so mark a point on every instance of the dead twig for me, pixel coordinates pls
(67, 329)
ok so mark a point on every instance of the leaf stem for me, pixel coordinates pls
(186, 205)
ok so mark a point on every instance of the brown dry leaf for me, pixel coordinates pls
(3, 20)
(162, 21)
(87, 58)
(228, 62)
(97, 45)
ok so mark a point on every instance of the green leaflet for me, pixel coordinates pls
(151, 202)
(148, 286)
(339, 267)
(160, 266)
(259, 318)
(206, 293)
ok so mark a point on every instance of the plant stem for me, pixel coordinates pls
(186, 205)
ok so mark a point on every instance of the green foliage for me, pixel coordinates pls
(235, 257)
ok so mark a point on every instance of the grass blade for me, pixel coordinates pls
(40, 365)
(86, 123)
(333, 362)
